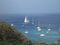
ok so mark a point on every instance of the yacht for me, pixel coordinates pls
(26, 20)
(38, 27)
(26, 32)
(12, 24)
(42, 35)
(49, 29)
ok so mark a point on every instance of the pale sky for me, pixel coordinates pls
(29, 6)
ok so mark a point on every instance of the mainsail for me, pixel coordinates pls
(26, 20)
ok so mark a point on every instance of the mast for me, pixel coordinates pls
(26, 20)
(49, 27)
(39, 28)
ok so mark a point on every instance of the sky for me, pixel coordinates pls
(29, 6)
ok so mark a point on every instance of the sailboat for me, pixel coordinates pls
(42, 35)
(26, 20)
(38, 27)
(26, 32)
(12, 24)
(49, 29)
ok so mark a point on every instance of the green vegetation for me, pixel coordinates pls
(10, 36)
(58, 43)
(40, 44)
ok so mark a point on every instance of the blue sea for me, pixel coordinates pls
(33, 34)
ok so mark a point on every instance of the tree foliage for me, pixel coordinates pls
(10, 36)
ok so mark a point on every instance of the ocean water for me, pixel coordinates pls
(33, 34)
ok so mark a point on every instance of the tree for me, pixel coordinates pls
(11, 36)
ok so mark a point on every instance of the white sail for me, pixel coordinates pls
(12, 24)
(26, 20)
(38, 27)
(26, 32)
(42, 35)
(49, 29)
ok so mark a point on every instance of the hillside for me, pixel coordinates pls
(10, 36)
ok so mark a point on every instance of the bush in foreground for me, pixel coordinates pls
(10, 36)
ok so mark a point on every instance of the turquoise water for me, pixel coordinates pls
(33, 33)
